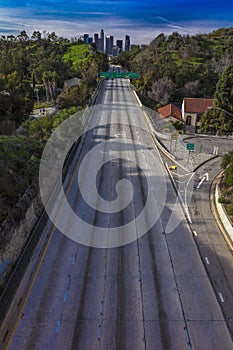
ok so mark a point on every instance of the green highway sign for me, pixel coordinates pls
(122, 75)
(131, 75)
(190, 146)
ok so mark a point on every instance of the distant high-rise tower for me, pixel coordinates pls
(127, 43)
(96, 38)
(86, 38)
(98, 42)
(120, 44)
(102, 40)
(115, 51)
(109, 45)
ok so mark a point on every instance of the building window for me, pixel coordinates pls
(188, 120)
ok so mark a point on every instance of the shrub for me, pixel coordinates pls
(222, 200)
(230, 210)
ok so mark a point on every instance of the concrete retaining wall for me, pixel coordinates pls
(223, 215)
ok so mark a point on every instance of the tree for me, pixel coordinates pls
(224, 90)
(20, 97)
(52, 36)
(23, 36)
(227, 159)
(192, 88)
(223, 100)
(27, 62)
(209, 122)
(161, 90)
(49, 80)
(219, 119)
(36, 35)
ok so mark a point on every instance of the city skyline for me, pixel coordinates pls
(106, 43)
(142, 20)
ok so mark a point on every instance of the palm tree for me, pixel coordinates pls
(36, 35)
(45, 78)
(50, 82)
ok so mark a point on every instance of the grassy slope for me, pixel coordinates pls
(217, 42)
(78, 55)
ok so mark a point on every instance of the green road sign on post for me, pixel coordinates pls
(190, 146)
(119, 75)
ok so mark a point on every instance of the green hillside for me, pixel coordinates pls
(79, 55)
(177, 66)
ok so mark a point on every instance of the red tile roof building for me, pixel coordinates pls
(197, 105)
(192, 110)
(169, 111)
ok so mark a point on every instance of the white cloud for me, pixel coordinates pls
(12, 21)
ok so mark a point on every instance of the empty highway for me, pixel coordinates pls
(121, 289)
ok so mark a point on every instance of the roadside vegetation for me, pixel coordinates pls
(226, 184)
(33, 69)
(19, 164)
(219, 119)
(176, 66)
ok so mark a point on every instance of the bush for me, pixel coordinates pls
(223, 200)
(229, 174)
(228, 192)
(227, 159)
(230, 210)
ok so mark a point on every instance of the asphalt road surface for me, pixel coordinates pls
(152, 293)
(205, 144)
(215, 253)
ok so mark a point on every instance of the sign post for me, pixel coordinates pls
(190, 147)
(174, 136)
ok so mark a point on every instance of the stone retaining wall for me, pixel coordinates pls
(15, 229)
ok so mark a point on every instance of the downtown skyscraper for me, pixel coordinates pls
(106, 43)
(127, 43)
(109, 45)
(99, 40)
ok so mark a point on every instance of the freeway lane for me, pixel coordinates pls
(152, 293)
(212, 246)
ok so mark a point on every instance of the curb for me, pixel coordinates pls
(205, 161)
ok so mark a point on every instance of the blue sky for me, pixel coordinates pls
(143, 20)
